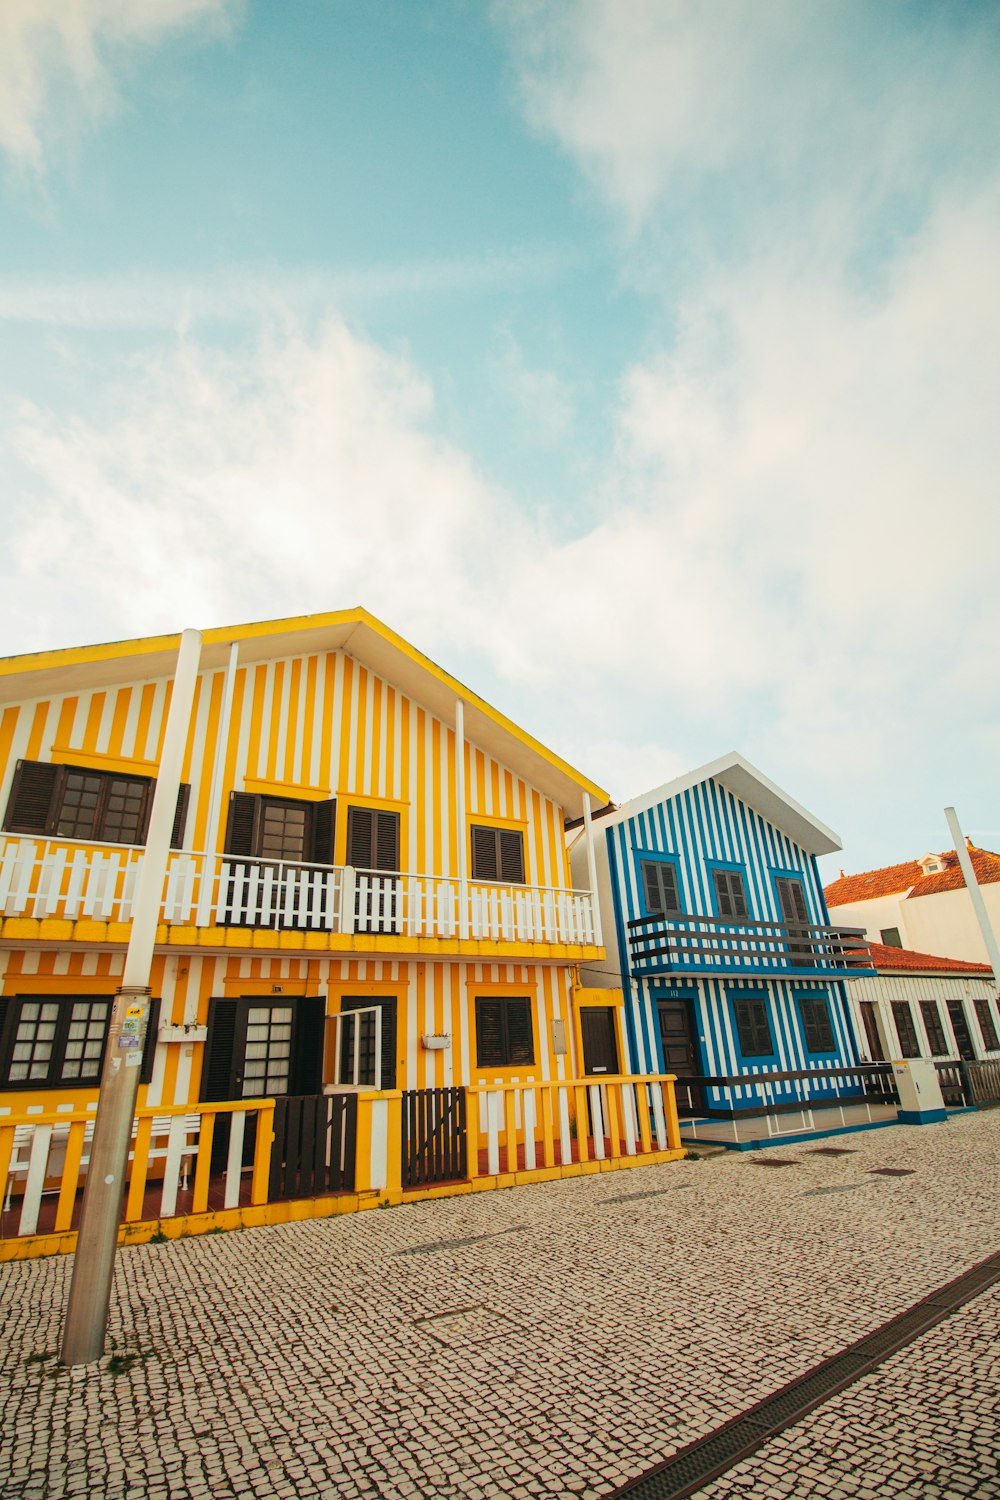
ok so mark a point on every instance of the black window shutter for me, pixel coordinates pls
(180, 815)
(6, 1013)
(324, 822)
(149, 1046)
(521, 1046)
(240, 827)
(218, 1066)
(30, 804)
(652, 888)
(484, 854)
(360, 838)
(306, 1074)
(511, 855)
(387, 841)
(489, 1033)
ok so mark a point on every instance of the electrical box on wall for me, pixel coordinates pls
(559, 1043)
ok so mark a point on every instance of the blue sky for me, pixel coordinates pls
(639, 361)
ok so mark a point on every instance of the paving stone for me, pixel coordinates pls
(308, 1360)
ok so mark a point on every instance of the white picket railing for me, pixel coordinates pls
(47, 1156)
(54, 878)
(531, 1126)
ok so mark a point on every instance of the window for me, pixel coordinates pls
(659, 883)
(752, 1027)
(986, 1025)
(730, 895)
(905, 1029)
(498, 854)
(52, 1041)
(73, 802)
(504, 1037)
(372, 839)
(280, 828)
(795, 915)
(935, 1031)
(890, 937)
(815, 1014)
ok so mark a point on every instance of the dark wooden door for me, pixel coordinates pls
(795, 915)
(260, 1047)
(963, 1036)
(366, 1040)
(600, 1042)
(680, 1051)
(871, 1031)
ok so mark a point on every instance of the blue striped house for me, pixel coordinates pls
(725, 955)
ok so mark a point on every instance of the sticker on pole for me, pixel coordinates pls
(135, 1012)
(125, 1042)
(133, 1060)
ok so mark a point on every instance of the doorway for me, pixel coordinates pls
(679, 1050)
(870, 1020)
(600, 1039)
(795, 916)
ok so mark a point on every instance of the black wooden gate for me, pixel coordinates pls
(315, 1143)
(434, 1136)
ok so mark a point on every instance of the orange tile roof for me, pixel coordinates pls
(908, 879)
(894, 880)
(885, 958)
(985, 863)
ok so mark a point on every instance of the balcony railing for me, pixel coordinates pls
(53, 878)
(699, 944)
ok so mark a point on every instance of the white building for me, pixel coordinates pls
(918, 1005)
(922, 904)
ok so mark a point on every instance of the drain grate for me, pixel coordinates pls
(849, 1187)
(893, 1171)
(776, 1161)
(833, 1150)
(696, 1464)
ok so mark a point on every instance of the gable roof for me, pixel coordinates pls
(355, 631)
(735, 772)
(888, 960)
(909, 881)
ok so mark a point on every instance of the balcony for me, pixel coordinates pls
(717, 945)
(52, 879)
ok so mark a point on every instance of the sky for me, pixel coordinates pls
(638, 361)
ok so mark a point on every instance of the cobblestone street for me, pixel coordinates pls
(541, 1341)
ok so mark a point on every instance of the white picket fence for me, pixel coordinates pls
(47, 1156)
(51, 878)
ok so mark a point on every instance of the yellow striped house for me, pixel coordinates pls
(356, 831)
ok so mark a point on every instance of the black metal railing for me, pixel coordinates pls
(693, 941)
(794, 1088)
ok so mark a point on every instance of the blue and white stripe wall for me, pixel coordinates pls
(726, 814)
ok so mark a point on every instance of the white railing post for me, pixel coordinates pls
(348, 899)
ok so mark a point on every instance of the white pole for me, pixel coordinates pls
(463, 832)
(978, 904)
(204, 916)
(588, 829)
(93, 1264)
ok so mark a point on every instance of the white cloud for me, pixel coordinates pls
(796, 544)
(662, 100)
(57, 59)
(296, 476)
